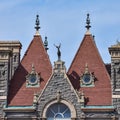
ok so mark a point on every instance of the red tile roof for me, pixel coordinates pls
(88, 53)
(36, 54)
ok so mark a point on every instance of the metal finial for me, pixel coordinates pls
(46, 43)
(37, 27)
(88, 22)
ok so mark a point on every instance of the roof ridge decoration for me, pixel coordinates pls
(58, 52)
(46, 43)
(88, 26)
(37, 27)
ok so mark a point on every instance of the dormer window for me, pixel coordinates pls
(33, 79)
(87, 79)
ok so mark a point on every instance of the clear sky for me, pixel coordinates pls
(62, 21)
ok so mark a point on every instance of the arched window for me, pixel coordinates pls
(58, 111)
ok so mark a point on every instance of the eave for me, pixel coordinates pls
(97, 108)
(19, 109)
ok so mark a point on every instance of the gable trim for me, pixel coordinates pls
(72, 88)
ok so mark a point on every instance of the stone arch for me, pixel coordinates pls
(69, 105)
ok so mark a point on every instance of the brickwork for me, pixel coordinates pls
(88, 54)
(35, 55)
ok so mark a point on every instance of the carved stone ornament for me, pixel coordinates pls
(81, 97)
(87, 79)
(58, 96)
(33, 78)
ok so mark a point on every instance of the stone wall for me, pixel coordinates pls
(58, 83)
(115, 76)
(8, 49)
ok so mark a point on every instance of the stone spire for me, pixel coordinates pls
(37, 27)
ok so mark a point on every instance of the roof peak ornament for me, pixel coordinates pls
(37, 23)
(58, 52)
(86, 69)
(46, 43)
(88, 22)
(33, 69)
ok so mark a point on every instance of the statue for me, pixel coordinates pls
(58, 52)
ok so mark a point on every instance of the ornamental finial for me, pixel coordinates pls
(46, 43)
(88, 22)
(86, 68)
(37, 27)
(33, 69)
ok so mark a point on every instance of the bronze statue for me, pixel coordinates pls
(58, 52)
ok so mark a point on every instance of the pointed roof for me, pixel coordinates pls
(36, 55)
(87, 53)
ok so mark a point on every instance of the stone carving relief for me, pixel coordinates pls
(2, 71)
(116, 71)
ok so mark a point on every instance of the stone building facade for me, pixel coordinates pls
(115, 74)
(9, 61)
(33, 89)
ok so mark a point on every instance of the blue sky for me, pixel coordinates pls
(62, 21)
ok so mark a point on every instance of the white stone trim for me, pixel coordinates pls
(87, 32)
(3, 97)
(2, 91)
(117, 89)
(115, 96)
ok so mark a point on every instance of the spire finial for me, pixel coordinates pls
(46, 43)
(37, 27)
(88, 22)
